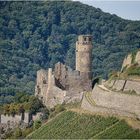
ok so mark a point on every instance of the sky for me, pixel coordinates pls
(125, 9)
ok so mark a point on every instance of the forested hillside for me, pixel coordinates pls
(36, 35)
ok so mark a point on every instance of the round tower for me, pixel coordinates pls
(84, 55)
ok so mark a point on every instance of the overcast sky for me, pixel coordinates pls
(124, 9)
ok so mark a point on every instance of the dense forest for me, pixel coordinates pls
(36, 35)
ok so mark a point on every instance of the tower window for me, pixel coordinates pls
(89, 39)
(85, 39)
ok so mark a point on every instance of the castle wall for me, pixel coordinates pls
(116, 84)
(53, 94)
(104, 110)
(17, 118)
(63, 84)
(41, 84)
(129, 85)
(41, 76)
(61, 75)
(114, 103)
(72, 81)
(132, 85)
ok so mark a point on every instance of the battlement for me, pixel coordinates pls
(84, 39)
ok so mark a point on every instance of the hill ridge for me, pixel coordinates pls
(36, 35)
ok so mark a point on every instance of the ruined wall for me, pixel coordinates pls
(17, 118)
(72, 81)
(63, 84)
(41, 84)
(132, 85)
(137, 58)
(54, 94)
(61, 75)
(127, 61)
(76, 86)
(115, 103)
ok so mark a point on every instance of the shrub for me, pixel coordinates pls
(18, 133)
(37, 124)
(133, 70)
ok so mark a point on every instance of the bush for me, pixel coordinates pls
(57, 109)
(18, 133)
(45, 114)
(133, 70)
(27, 131)
(37, 124)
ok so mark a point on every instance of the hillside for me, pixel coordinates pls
(36, 35)
(71, 125)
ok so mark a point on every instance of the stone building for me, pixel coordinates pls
(64, 84)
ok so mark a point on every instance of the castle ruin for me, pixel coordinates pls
(63, 85)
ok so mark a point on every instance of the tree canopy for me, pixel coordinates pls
(36, 35)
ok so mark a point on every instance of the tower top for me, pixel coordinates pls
(84, 39)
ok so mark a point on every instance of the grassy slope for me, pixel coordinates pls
(73, 125)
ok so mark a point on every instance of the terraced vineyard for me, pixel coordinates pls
(72, 125)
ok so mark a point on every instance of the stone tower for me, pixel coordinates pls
(84, 55)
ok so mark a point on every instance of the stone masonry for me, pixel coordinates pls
(63, 85)
(127, 61)
(124, 85)
(110, 102)
(84, 55)
(137, 59)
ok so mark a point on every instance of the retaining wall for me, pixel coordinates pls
(129, 86)
(113, 103)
